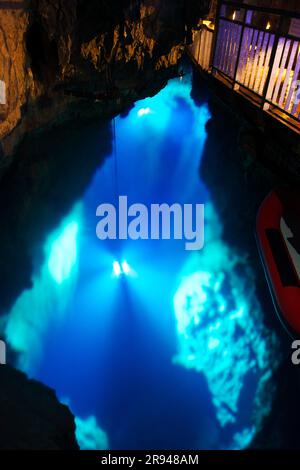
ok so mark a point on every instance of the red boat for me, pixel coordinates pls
(278, 237)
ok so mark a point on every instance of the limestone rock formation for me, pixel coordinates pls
(57, 55)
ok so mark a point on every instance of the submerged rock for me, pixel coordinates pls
(221, 334)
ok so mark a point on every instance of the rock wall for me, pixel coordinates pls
(31, 416)
(58, 55)
(13, 68)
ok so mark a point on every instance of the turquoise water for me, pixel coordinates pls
(173, 355)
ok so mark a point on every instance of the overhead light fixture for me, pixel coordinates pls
(209, 24)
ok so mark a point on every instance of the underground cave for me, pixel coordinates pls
(115, 340)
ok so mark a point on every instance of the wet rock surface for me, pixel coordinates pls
(66, 58)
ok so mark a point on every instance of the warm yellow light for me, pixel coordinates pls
(234, 15)
(208, 24)
(268, 25)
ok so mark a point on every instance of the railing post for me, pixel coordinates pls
(199, 46)
(272, 60)
(217, 22)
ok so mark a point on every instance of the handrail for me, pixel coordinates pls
(264, 63)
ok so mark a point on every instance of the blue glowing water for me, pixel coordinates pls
(172, 357)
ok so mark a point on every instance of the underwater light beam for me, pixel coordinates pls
(63, 253)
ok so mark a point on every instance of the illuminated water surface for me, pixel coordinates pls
(150, 345)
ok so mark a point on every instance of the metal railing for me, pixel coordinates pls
(256, 51)
(202, 47)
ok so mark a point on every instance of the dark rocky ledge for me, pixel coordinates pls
(31, 416)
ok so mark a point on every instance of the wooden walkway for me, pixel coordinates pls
(256, 52)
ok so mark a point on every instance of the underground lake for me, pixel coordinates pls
(150, 345)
